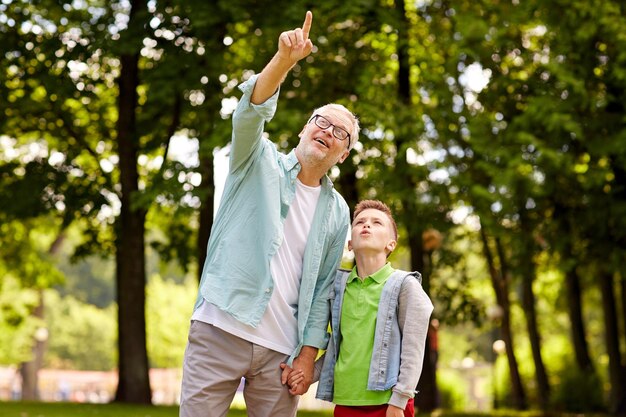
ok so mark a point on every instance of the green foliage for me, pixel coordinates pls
(453, 389)
(579, 391)
(17, 326)
(81, 336)
(89, 280)
(26, 266)
(169, 307)
(458, 281)
(501, 384)
(26, 251)
(173, 237)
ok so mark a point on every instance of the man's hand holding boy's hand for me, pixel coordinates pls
(300, 376)
(292, 378)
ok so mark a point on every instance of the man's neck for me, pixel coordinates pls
(310, 176)
(368, 264)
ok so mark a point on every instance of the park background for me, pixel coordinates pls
(495, 129)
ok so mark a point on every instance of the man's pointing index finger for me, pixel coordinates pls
(306, 26)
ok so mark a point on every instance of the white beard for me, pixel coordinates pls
(314, 158)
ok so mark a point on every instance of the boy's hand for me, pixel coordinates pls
(291, 377)
(305, 362)
(393, 411)
(293, 45)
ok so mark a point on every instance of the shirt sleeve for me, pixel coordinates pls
(248, 123)
(414, 304)
(316, 330)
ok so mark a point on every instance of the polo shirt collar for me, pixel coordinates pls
(378, 276)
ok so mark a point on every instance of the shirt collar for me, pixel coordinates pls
(292, 162)
(378, 276)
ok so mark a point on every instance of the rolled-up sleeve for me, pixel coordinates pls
(248, 123)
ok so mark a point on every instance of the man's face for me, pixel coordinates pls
(319, 146)
(372, 232)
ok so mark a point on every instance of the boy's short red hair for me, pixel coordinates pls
(376, 205)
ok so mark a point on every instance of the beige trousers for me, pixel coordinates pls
(215, 361)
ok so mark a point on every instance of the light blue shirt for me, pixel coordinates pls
(248, 229)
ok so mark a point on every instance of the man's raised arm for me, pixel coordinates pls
(293, 45)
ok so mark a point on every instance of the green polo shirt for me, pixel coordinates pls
(358, 326)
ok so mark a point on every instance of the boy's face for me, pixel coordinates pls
(372, 232)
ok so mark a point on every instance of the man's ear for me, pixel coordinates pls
(343, 156)
(350, 244)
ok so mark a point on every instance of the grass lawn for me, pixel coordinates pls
(35, 409)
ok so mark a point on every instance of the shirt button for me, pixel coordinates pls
(267, 290)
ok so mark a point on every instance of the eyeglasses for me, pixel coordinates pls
(323, 123)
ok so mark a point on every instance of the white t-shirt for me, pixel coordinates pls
(278, 329)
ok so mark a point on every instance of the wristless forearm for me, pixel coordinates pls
(270, 78)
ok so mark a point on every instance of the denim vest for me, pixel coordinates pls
(385, 363)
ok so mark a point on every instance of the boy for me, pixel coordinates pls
(379, 319)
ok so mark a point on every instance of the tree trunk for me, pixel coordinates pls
(207, 167)
(574, 291)
(622, 281)
(134, 383)
(517, 388)
(617, 377)
(347, 183)
(528, 303)
(528, 271)
(206, 209)
(500, 287)
(620, 240)
(615, 107)
(426, 401)
(574, 306)
(29, 371)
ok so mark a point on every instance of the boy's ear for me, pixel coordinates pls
(391, 246)
(350, 244)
